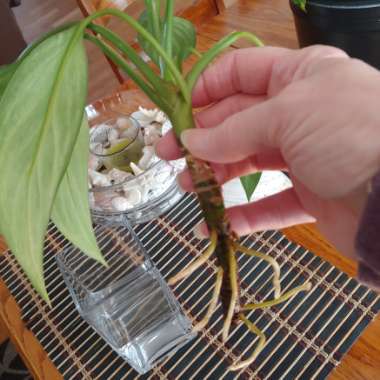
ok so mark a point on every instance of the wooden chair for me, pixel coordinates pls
(197, 11)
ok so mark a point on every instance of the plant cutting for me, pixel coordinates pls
(44, 145)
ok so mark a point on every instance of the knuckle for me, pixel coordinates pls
(324, 51)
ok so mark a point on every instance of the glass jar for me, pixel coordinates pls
(128, 303)
(137, 197)
(128, 149)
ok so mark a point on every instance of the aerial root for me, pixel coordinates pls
(197, 263)
(214, 301)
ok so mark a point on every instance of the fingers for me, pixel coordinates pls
(224, 173)
(275, 212)
(241, 71)
(217, 113)
(259, 71)
(167, 148)
(249, 132)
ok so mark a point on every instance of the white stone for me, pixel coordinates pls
(166, 127)
(94, 162)
(133, 196)
(113, 135)
(118, 176)
(129, 133)
(99, 133)
(152, 135)
(123, 122)
(146, 159)
(97, 148)
(103, 200)
(136, 170)
(146, 117)
(121, 204)
(98, 179)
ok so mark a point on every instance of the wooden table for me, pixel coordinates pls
(271, 20)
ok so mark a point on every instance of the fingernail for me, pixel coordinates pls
(185, 136)
(200, 231)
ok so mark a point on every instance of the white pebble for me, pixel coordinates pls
(97, 148)
(129, 133)
(103, 200)
(166, 127)
(118, 176)
(121, 204)
(99, 133)
(152, 134)
(94, 162)
(146, 117)
(133, 196)
(98, 179)
(123, 123)
(146, 159)
(113, 135)
(136, 170)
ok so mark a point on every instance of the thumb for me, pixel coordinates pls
(241, 135)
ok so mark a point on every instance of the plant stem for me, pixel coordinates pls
(179, 80)
(131, 53)
(119, 61)
(196, 52)
(168, 33)
(153, 13)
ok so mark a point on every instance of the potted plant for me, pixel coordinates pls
(352, 25)
(44, 143)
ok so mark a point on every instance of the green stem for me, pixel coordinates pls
(153, 13)
(180, 81)
(207, 58)
(168, 32)
(196, 52)
(131, 53)
(118, 60)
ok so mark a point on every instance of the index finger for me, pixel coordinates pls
(240, 71)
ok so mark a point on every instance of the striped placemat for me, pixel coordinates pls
(307, 336)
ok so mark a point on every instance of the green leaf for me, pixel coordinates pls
(71, 211)
(301, 4)
(40, 116)
(183, 39)
(250, 183)
(6, 73)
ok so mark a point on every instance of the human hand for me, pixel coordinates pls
(312, 112)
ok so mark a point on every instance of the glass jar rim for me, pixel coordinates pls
(135, 122)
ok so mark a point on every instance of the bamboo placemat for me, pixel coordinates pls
(307, 336)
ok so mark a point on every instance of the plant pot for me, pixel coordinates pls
(352, 25)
